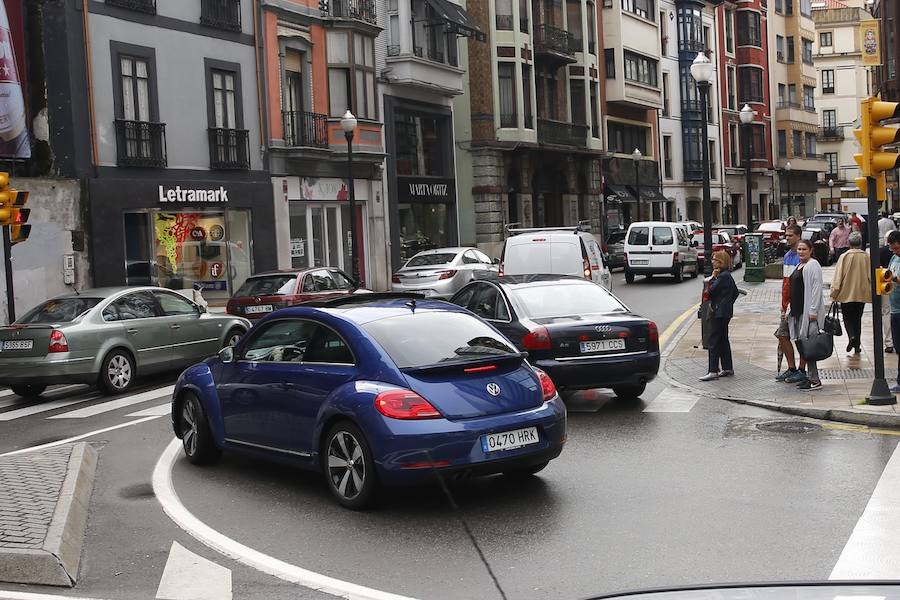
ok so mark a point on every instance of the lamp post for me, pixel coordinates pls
(636, 157)
(746, 120)
(348, 124)
(702, 72)
(787, 177)
(831, 194)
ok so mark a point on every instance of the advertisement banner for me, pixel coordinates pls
(14, 138)
(870, 42)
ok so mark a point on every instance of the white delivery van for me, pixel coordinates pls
(557, 251)
(659, 248)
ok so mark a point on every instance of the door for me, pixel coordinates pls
(662, 246)
(144, 327)
(193, 337)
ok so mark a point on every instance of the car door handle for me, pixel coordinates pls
(176, 326)
(132, 331)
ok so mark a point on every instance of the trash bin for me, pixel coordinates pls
(754, 258)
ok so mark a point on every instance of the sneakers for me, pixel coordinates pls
(784, 375)
(726, 373)
(889, 349)
(809, 384)
(710, 377)
(895, 389)
(798, 377)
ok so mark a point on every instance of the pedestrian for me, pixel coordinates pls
(723, 292)
(851, 286)
(893, 241)
(884, 259)
(791, 221)
(856, 223)
(806, 310)
(839, 240)
(885, 226)
(791, 261)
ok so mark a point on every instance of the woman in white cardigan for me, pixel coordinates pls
(806, 309)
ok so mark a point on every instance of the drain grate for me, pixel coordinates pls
(789, 427)
(854, 373)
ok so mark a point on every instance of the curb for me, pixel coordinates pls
(56, 563)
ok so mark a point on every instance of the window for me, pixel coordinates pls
(224, 14)
(326, 347)
(662, 236)
(706, 37)
(663, 33)
(506, 77)
(810, 144)
(806, 8)
(228, 141)
(280, 341)
(640, 69)
(665, 94)
(135, 88)
(639, 236)
(173, 304)
(790, 49)
(733, 144)
(487, 302)
(504, 17)
(577, 100)
(731, 83)
(779, 6)
(713, 172)
(690, 29)
(417, 141)
(751, 85)
(595, 118)
(831, 159)
(667, 156)
(758, 137)
(139, 305)
(609, 55)
(729, 31)
(592, 28)
(782, 143)
(792, 94)
(782, 90)
(748, 27)
(809, 93)
(573, 21)
(829, 118)
(624, 138)
(798, 143)
(641, 8)
(827, 81)
(825, 39)
(351, 74)
(140, 139)
(807, 47)
(779, 48)
(788, 7)
(60, 310)
(223, 90)
(526, 96)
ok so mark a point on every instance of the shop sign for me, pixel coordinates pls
(180, 194)
(425, 189)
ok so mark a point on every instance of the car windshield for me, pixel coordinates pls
(426, 338)
(616, 237)
(560, 301)
(427, 260)
(270, 285)
(716, 239)
(61, 310)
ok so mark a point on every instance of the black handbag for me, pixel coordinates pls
(833, 321)
(818, 346)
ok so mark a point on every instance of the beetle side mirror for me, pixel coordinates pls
(226, 354)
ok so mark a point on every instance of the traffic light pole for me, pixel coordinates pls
(880, 393)
(7, 268)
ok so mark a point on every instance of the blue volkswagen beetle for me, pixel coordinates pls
(373, 390)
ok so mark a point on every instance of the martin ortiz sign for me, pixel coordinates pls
(425, 189)
(179, 194)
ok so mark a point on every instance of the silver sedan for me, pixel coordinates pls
(441, 272)
(108, 336)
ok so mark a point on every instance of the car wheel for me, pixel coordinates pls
(116, 372)
(629, 392)
(28, 390)
(196, 437)
(629, 276)
(679, 273)
(232, 337)
(528, 471)
(348, 466)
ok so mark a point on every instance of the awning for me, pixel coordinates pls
(621, 193)
(457, 19)
(650, 194)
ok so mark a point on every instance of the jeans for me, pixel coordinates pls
(886, 325)
(895, 332)
(720, 346)
(853, 312)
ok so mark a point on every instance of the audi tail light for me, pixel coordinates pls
(537, 339)
(405, 404)
(652, 332)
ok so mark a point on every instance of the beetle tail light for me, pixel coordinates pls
(548, 388)
(405, 404)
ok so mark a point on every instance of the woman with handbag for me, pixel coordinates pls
(851, 287)
(806, 311)
(723, 291)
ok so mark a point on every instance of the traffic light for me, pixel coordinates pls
(880, 186)
(19, 229)
(883, 284)
(872, 135)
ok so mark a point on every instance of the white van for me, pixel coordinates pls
(659, 248)
(556, 251)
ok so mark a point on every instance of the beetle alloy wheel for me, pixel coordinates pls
(189, 427)
(346, 465)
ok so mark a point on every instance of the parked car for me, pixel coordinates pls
(773, 232)
(615, 243)
(819, 237)
(373, 390)
(691, 226)
(441, 272)
(659, 248)
(556, 250)
(109, 336)
(267, 292)
(736, 232)
(575, 330)
(721, 241)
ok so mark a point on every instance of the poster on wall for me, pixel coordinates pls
(14, 138)
(870, 42)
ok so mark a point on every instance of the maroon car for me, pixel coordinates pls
(267, 292)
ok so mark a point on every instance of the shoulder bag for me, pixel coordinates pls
(818, 346)
(833, 321)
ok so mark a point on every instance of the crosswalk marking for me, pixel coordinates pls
(42, 407)
(672, 400)
(153, 411)
(51, 393)
(191, 577)
(97, 409)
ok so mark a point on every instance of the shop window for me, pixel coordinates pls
(424, 226)
(351, 74)
(319, 235)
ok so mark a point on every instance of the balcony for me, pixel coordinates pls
(561, 133)
(833, 133)
(147, 6)
(434, 68)
(305, 129)
(140, 143)
(221, 14)
(555, 44)
(786, 104)
(363, 10)
(229, 149)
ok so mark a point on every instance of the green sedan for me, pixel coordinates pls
(107, 336)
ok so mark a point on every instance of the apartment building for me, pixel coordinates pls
(687, 28)
(743, 29)
(887, 80)
(843, 82)
(793, 81)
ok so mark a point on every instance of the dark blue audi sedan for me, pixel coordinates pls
(375, 389)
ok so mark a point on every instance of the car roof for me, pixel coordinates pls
(523, 281)
(106, 292)
(655, 223)
(291, 271)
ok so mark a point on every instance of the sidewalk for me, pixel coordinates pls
(847, 379)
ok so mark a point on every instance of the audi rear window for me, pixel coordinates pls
(562, 301)
(62, 310)
(271, 285)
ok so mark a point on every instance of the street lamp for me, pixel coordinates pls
(348, 124)
(831, 194)
(636, 157)
(787, 177)
(702, 72)
(746, 120)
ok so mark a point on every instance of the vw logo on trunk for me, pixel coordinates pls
(603, 328)
(493, 389)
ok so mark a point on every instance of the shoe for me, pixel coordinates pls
(849, 345)
(889, 349)
(726, 373)
(710, 377)
(797, 377)
(784, 375)
(895, 389)
(810, 385)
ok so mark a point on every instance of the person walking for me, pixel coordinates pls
(893, 241)
(806, 310)
(723, 292)
(791, 262)
(884, 259)
(839, 240)
(851, 287)
(885, 226)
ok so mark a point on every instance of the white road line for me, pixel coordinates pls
(75, 438)
(873, 550)
(188, 576)
(153, 411)
(672, 400)
(168, 498)
(111, 405)
(42, 407)
(7, 595)
(49, 394)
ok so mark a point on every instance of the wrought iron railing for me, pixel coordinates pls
(363, 10)
(553, 38)
(305, 129)
(140, 143)
(222, 14)
(229, 148)
(562, 133)
(147, 6)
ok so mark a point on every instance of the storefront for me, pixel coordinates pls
(180, 234)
